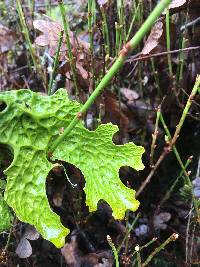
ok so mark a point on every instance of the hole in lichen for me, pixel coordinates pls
(3, 106)
(62, 180)
(6, 158)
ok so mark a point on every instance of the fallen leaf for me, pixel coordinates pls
(80, 49)
(24, 249)
(113, 112)
(31, 233)
(175, 5)
(50, 36)
(161, 219)
(71, 253)
(129, 94)
(102, 2)
(153, 39)
(7, 39)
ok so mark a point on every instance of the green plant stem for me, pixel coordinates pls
(105, 31)
(26, 34)
(132, 22)
(186, 110)
(128, 232)
(114, 69)
(156, 77)
(139, 261)
(168, 42)
(168, 193)
(154, 137)
(68, 43)
(90, 29)
(172, 143)
(173, 147)
(181, 61)
(55, 64)
(172, 238)
(114, 250)
(10, 233)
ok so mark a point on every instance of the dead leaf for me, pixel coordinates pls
(70, 252)
(102, 2)
(80, 49)
(177, 3)
(24, 249)
(113, 112)
(50, 36)
(129, 94)
(31, 233)
(154, 38)
(161, 219)
(7, 39)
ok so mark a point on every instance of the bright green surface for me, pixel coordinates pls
(29, 124)
(5, 215)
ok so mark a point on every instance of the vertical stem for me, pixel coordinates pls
(55, 63)
(168, 193)
(90, 29)
(132, 21)
(105, 31)
(154, 137)
(181, 59)
(155, 74)
(117, 34)
(26, 33)
(114, 250)
(139, 261)
(186, 109)
(68, 43)
(168, 42)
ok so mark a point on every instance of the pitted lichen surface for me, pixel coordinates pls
(29, 124)
(5, 215)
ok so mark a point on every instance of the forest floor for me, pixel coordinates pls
(148, 94)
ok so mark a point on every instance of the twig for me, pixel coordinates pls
(136, 58)
(190, 24)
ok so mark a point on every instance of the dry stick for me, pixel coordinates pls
(175, 137)
(133, 43)
(138, 58)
